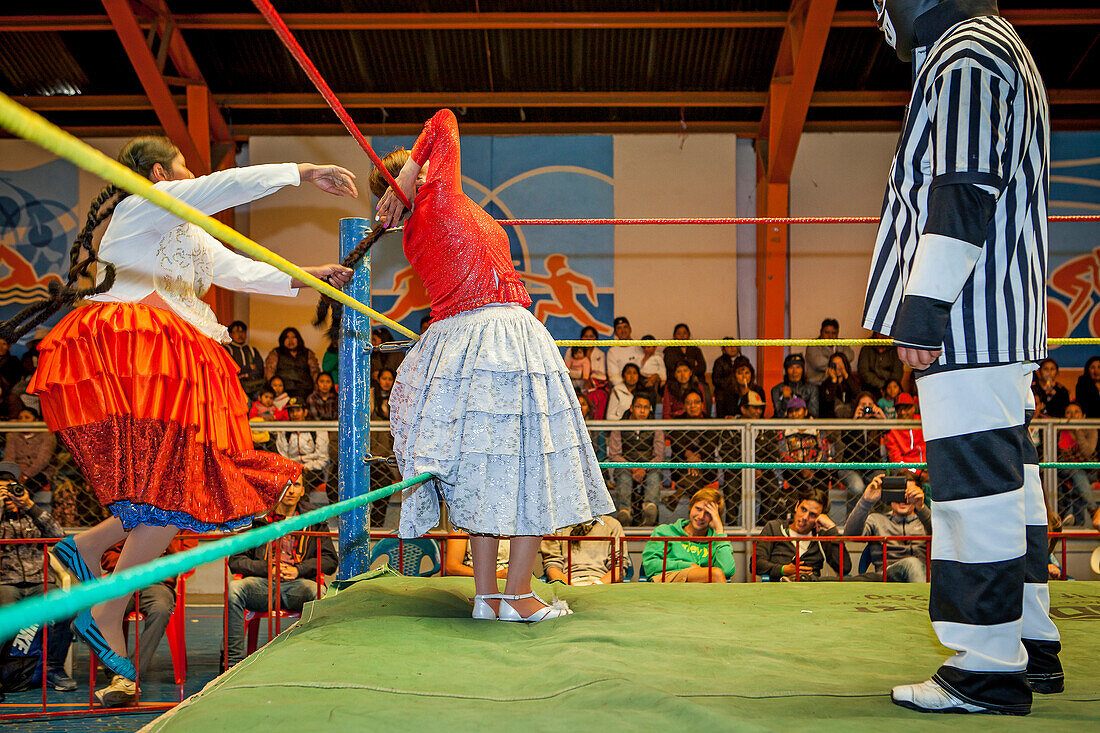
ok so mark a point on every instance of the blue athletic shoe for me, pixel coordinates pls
(86, 628)
(66, 553)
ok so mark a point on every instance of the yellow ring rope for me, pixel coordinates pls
(777, 342)
(26, 124)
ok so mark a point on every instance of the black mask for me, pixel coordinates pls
(897, 20)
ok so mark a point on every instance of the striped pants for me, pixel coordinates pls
(989, 597)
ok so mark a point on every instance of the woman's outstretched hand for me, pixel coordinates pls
(335, 275)
(330, 179)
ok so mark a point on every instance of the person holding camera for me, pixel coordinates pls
(862, 446)
(909, 515)
(804, 556)
(21, 565)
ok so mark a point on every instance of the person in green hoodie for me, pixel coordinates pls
(690, 561)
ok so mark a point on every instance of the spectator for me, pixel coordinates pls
(1077, 445)
(157, 602)
(677, 389)
(1086, 394)
(264, 407)
(295, 364)
(322, 401)
(297, 565)
(801, 444)
(692, 561)
(31, 451)
(905, 445)
(588, 369)
(691, 445)
(905, 559)
(623, 394)
(726, 396)
(281, 395)
(861, 446)
(459, 560)
(250, 365)
(744, 379)
(307, 447)
(383, 360)
(878, 365)
(751, 407)
(637, 446)
(620, 356)
(330, 361)
(588, 563)
(381, 446)
(890, 392)
(790, 562)
(21, 565)
(11, 371)
(654, 373)
(1045, 382)
(817, 357)
(598, 437)
(794, 384)
(837, 393)
(690, 355)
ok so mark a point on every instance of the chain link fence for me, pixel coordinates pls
(642, 497)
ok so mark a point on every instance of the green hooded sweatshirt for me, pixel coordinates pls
(682, 555)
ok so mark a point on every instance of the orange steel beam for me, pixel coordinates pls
(156, 88)
(478, 21)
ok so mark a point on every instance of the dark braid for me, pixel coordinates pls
(326, 305)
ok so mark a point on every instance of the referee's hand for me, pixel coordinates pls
(918, 359)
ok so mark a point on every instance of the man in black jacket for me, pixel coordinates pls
(777, 560)
(250, 365)
(296, 562)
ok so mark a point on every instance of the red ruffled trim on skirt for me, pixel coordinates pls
(153, 413)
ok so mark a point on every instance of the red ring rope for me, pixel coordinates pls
(737, 220)
(299, 54)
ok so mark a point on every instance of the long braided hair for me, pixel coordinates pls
(139, 155)
(327, 308)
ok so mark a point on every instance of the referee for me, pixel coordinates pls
(958, 280)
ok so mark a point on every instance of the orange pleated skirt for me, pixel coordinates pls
(153, 413)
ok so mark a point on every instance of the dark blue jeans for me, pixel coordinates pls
(250, 594)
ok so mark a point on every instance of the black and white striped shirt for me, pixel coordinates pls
(961, 252)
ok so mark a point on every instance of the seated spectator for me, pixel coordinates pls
(751, 407)
(157, 602)
(861, 446)
(598, 437)
(296, 563)
(1045, 383)
(726, 397)
(1086, 394)
(588, 563)
(890, 392)
(292, 362)
(837, 393)
(623, 394)
(878, 365)
(691, 561)
(383, 360)
(250, 365)
(620, 356)
(381, 446)
(589, 366)
(1076, 446)
(691, 445)
(281, 395)
(460, 559)
(654, 373)
(330, 361)
(744, 380)
(637, 446)
(906, 445)
(307, 447)
(905, 559)
(31, 451)
(817, 357)
(21, 565)
(794, 384)
(322, 402)
(784, 560)
(264, 407)
(682, 383)
(690, 355)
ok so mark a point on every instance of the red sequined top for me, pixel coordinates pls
(460, 253)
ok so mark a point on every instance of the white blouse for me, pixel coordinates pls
(154, 251)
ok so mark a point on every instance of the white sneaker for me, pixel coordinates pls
(929, 697)
(120, 693)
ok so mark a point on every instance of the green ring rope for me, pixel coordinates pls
(801, 464)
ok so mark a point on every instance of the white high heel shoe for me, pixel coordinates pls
(557, 610)
(482, 610)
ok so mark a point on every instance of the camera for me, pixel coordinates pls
(893, 489)
(867, 410)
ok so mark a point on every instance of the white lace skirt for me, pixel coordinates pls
(484, 402)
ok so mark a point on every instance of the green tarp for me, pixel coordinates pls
(403, 654)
